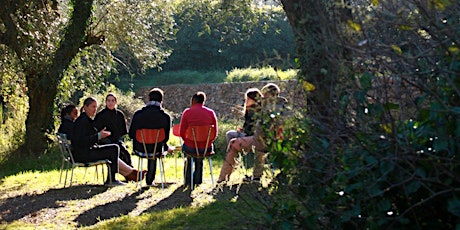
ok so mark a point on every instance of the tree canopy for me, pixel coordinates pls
(79, 41)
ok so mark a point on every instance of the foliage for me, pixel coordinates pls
(226, 34)
(63, 44)
(261, 74)
(382, 145)
(13, 107)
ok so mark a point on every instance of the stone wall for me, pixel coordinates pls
(226, 99)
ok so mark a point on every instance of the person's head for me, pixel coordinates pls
(110, 101)
(70, 110)
(89, 106)
(270, 90)
(252, 95)
(198, 98)
(156, 94)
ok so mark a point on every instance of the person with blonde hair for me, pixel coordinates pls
(250, 108)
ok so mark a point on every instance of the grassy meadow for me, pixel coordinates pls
(34, 197)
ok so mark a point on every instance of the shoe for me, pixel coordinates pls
(133, 176)
(153, 184)
(114, 183)
(250, 179)
(143, 174)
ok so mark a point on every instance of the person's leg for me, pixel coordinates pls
(123, 168)
(152, 168)
(107, 152)
(124, 154)
(187, 168)
(236, 145)
(198, 173)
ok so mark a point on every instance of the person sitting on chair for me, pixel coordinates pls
(68, 115)
(85, 149)
(151, 116)
(196, 115)
(251, 107)
(271, 103)
(113, 120)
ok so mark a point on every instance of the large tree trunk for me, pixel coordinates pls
(39, 119)
(316, 28)
(42, 85)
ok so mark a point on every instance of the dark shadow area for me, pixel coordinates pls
(114, 209)
(179, 198)
(20, 206)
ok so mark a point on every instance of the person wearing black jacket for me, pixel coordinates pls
(85, 149)
(68, 115)
(151, 116)
(113, 120)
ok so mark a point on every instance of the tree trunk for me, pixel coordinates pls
(42, 84)
(315, 25)
(39, 118)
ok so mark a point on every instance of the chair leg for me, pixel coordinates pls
(62, 168)
(175, 158)
(109, 174)
(71, 176)
(66, 172)
(192, 170)
(160, 164)
(210, 171)
(185, 170)
(139, 169)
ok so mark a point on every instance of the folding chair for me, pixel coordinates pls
(150, 137)
(68, 159)
(200, 134)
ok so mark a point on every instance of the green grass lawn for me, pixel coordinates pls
(32, 197)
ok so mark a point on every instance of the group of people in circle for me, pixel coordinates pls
(99, 135)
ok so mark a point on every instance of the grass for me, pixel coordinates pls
(33, 198)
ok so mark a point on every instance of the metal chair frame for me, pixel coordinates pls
(200, 134)
(68, 160)
(150, 136)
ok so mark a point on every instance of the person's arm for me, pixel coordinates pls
(214, 122)
(81, 137)
(123, 128)
(183, 124)
(133, 127)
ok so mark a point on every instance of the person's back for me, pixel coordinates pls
(197, 115)
(151, 116)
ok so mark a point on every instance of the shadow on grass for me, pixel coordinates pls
(15, 208)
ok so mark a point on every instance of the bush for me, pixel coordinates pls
(260, 74)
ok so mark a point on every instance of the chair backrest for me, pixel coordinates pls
(176, 130)
(150, 136)
(65, 147)
(205, 133)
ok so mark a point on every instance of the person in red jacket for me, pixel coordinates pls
(196, 115)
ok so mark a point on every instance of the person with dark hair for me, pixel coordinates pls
(113, 120)
(68, 115)
(251, 107)
(151, 116)
(196, 115)
(271, 105)
(85, 148)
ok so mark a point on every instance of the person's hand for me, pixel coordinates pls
(170, 149)
(104, 133)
